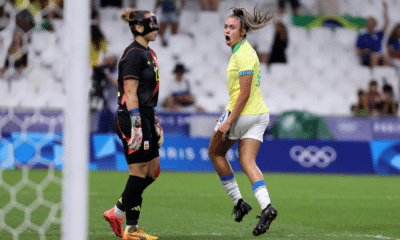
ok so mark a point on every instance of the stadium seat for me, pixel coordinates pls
(346, 37)
(181, 44)
(279, 72)
(361, 75)
(310, 6)
(300, 34)
(385, 73)
(209, 103)
(4, 92)
(321, 35)
(186, 21)
(111, 14)
(147, 4)
(207, 19)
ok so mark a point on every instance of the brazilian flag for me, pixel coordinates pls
(309, 21)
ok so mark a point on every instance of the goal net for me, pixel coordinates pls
(44, 121)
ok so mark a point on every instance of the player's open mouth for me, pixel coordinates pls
(227, 38)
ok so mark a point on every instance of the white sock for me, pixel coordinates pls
(261, 193)
(231, 187)
(118, 212)
(131, 228)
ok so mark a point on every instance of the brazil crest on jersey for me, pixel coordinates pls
(244, 61)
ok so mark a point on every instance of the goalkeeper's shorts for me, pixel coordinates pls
(245, 126)
(149, 148)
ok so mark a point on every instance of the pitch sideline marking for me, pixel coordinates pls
(275, 234)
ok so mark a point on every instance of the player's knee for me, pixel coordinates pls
(212, 154)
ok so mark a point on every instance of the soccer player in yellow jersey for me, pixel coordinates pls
(245, 119)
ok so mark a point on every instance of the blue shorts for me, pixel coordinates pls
(169, 17)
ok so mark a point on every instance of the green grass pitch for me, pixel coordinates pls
(195, 206)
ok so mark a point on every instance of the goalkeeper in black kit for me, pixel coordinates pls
(137, 122)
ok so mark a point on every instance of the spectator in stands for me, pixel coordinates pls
(52, 9)
(372, 99)
(295, 6)
(358, 109)
(209, 5)
(17, 58)
(5, 16)
(25, 20)
(394, 45)
(98, 43)
(369, 44)
(111, 3)
(388, 106)
(47, 21)
(277, 54)
(169, 16)
(107, 78)
(180, 97)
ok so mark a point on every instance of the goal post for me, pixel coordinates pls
(76, 131)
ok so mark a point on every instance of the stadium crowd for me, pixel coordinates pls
(301, 62)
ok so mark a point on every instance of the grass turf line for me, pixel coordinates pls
(195, 206)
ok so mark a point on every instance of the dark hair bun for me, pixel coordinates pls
(237, 11)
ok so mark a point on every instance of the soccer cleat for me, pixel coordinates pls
(241, 209)
(267, 216)
(115, 222)
(138, 235)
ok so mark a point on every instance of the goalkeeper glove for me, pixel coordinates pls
(159, 130)
(136, 133)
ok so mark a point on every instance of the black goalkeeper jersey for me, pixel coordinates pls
(139, 63)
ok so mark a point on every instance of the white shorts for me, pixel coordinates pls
(246, 126)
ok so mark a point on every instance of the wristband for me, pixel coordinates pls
(134, 111)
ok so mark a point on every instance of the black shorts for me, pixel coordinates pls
(366, 60)
(295, 3)
(149, 148)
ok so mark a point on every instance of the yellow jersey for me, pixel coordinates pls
(244, 61)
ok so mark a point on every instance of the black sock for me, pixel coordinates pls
(148, 181)
(121, 204)
(132, 199)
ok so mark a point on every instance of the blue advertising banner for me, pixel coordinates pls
(386, 128)
(38, 150)
(386, 156)
(315, 157)
(175, 123)
(350, 128)
(183, 153)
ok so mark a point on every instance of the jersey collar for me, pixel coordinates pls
(138, 45)
(238, 46)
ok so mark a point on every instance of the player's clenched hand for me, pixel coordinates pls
(136, 132)
(223, 130)
(159, 130)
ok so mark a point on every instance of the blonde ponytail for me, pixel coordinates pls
(252, 21)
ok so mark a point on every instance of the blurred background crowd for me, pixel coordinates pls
(328, 57)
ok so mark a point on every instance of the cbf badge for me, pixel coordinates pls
(146, 145)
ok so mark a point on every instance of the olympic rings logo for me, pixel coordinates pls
(312, 155)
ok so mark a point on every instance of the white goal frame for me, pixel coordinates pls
(76, 131)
